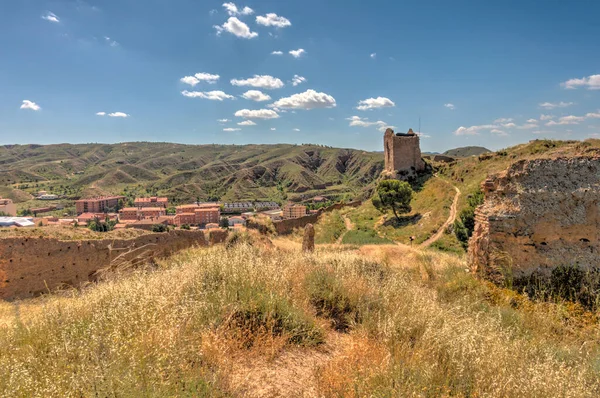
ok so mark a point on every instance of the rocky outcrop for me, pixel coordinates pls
(308, 240)
(537, 215)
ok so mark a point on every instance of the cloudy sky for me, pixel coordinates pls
(333, 72)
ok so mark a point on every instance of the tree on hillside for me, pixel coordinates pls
(395, 195)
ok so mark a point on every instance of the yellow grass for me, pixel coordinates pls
(244, 322)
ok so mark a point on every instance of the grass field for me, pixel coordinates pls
(273, 321)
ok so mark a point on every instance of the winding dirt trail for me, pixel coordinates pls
(349, 227)
(449, 221)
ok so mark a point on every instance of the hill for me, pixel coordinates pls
(242, 320)
(186, 172)
(466, 151)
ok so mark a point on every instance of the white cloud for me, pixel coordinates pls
(528, 126)
(296, 80)
(503, 120)
(357, 121)
(310, 99)
(475, 130)
(111, 42)
(373, 103)
(509, 125)
(553, 105)
(222, 120)
(272, 19)
(277, 53)
(542, 132)
(595, 115)
(566, 120)
(273, 129)
(450, 106)
(297, 53)
(200, 77)
(256, 95)
(373, 55)
(532, 121)
(231, 129)
(499, 132)
(237, 28)
(51, 17)
(232, 10)
(118, 114)
(422, 135)
(264, 81)
(296, 129)
(591, 83)
(100, 113)
(247, 123)
(257, 114)
(546, 117)
(210, 95)
(30, 105)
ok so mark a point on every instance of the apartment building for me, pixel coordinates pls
(184, 218)
(207, 215)
(294, 211)
(8, 207)
(97, 205)
(153, 201)
(141, 213)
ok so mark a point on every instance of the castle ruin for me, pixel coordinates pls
(402, 153)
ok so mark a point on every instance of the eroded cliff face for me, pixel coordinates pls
(537, 215)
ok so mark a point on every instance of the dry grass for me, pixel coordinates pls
(259, 321)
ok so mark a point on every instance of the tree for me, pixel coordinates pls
(224, 222)
(159, 228)
(395, 195)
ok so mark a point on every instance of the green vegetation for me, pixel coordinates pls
(330, 227)
(160, 228)
(464, 225)
(102, 226)
(466, 151)
(393, 195)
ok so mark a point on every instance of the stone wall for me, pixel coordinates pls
(287, 226)
(30, 266)
(537, 215)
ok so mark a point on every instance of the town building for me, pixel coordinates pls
(184, 219)
(402, 153)
(153, 201)
(207, 215)
(274, 215)
(238, 207)
(86, 218)
(319, 199)
(47, 196)
(235, 221)
(128, 213)
(212, 225)
(8, 207)
(16, 222)
(294, 211)
(261, 206)
(98, 205)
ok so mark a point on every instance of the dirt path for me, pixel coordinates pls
(449, 221)
(349, 227)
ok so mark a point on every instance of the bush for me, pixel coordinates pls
(260, 312)
(465, 224)
(159, 228)
(331, 300)
(185, 226)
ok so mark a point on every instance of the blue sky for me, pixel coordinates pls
(475, 72)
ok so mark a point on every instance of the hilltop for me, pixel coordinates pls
(466, 151)
(186, 172)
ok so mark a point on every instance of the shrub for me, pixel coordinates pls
(185, 226)
(331, 299)
(159, 228)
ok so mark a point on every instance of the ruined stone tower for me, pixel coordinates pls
(402, 153)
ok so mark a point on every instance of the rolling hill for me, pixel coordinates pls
(186, 172)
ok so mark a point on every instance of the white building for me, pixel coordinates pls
(48, 197)
(16, 222)
(233, 221)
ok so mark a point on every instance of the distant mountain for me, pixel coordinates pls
(466, 151)
(186, 172)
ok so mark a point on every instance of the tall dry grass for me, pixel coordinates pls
(414, 324)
